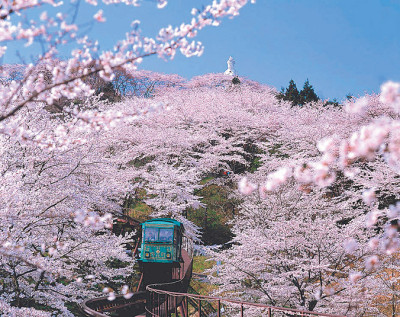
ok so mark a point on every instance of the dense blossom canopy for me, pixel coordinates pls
(61, 177)
(317, 226)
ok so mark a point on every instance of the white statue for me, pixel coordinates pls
(231, 67)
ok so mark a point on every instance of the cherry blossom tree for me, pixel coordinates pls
(60, 186)
(328, 263)
(63, 172)
(354, 180)
(57, 246)
(291, 248)
(143, 83)
(60, 176)
(202, 132)
(68, 75)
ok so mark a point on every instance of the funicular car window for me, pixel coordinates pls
(166, 235)
(151, 234)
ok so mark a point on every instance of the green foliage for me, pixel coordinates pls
(206, 179)
(275, 150)
(141, 161)
(208, 308)
(252, 156)
(202, 286)
(202, 263)
(308, 94)
(74, 309)
(290, 94)
(236, 80)
(140, 211)
(213, 219)
(255, 164)
(116, 263)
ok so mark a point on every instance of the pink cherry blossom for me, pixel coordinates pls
(390, 94)
(369, 196)
(245, 187)
(99, 16)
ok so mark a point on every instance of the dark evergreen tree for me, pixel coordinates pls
(236, 80)
(291, 94)
(308, 94)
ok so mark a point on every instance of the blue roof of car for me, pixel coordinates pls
(162, 220)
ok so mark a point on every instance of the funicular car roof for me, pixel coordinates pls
(162, 221)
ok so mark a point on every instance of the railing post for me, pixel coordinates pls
(149, 300)
(269, 312)
(166, 305)
(186, 308)
(158, 304)
(176, 305)
(199, 307)
(154, 303)
(219, 308)
(241, 310)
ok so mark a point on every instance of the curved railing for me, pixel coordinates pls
(159, 305)
(97, 307)
(164, 297)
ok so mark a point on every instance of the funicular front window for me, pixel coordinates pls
(166, 235)
(151, 234)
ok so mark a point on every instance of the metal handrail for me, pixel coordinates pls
(163, 306)
(97, 306)
(219, 300)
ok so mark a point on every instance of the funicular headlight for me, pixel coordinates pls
(168, 255)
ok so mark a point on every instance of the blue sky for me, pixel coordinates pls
(341, 46)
